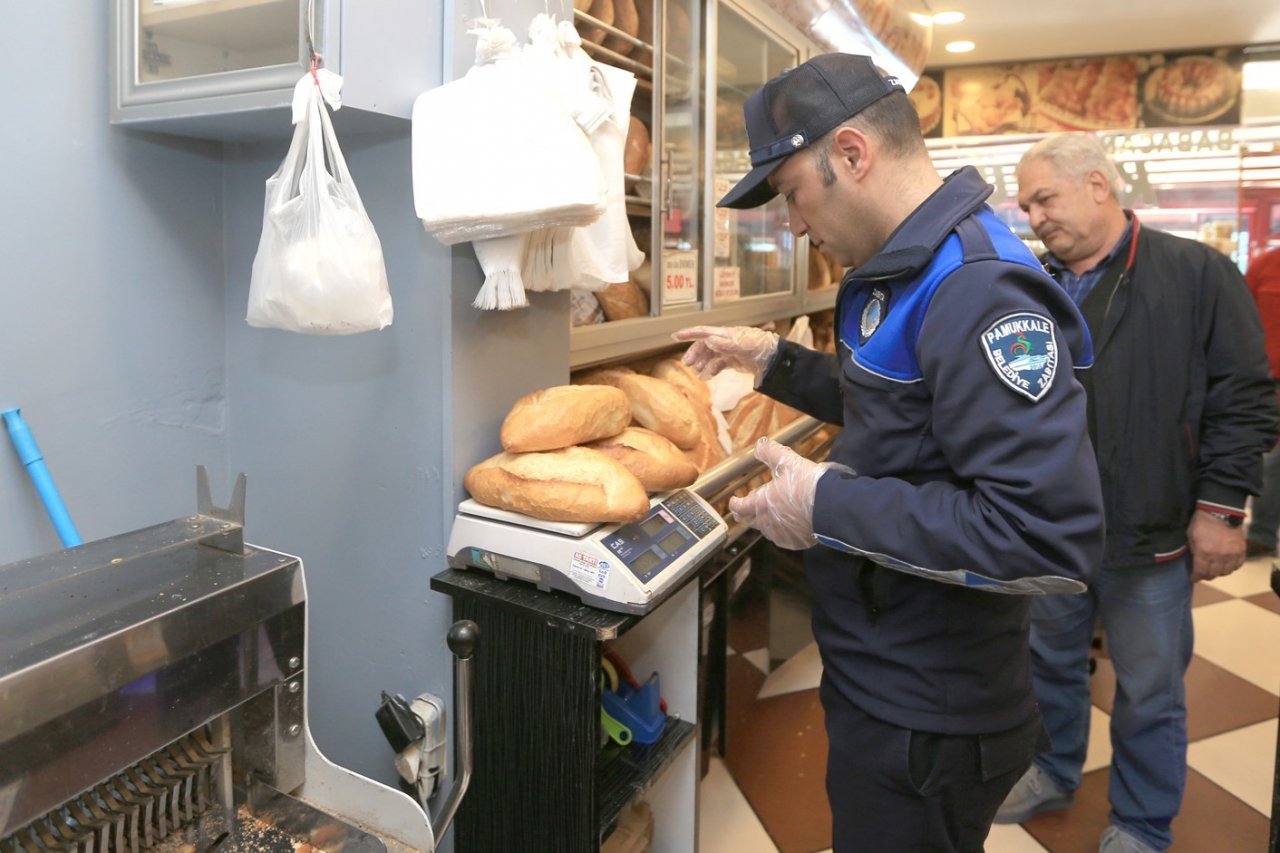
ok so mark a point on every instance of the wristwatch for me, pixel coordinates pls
(1225, 518)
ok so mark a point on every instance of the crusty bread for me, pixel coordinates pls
(602, 376)
(623, 300)
(682, 376)
(572, 484)
(644, 31)
(602, 11)
(662, 408)
(707, 453)
(750, 419)
(564, 415)
(658, 463)
(627, 19)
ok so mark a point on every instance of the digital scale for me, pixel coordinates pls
(627, 568)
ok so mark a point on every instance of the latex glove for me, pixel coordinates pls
(782, 509)
(717, 348)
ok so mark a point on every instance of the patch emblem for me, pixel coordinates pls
(1023, 352)
(873, 313)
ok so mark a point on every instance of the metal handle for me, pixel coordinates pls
(464, 636)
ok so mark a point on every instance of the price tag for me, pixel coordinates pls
(722, 225)
(679, 277)
(727, 284)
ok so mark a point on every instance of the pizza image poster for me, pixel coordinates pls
(1093, 93)
(1194, 88)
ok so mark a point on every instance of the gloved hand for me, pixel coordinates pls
(782, 509)
(716, 348)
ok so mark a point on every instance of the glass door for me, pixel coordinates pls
(754, 253)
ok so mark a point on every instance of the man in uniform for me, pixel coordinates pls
(962, 482)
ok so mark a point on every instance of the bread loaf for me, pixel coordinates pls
(564, 415)
(682, 376)
(626, 19)
(602, 11)
(750, 419)
(708, 452)
(636, 151)
(659, 464)
(602, 376)
(662, 408)
(623, 301)
(572, 484)
(644, 31)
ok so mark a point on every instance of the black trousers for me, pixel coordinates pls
(893, 790)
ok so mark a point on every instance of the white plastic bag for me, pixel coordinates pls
(319, 267)
(495, 154)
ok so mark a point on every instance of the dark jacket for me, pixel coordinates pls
(974, 476)
(1181, 398)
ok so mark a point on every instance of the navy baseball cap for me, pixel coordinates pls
(796, 108)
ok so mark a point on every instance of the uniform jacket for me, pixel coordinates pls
(1182, 402)
(974, 472)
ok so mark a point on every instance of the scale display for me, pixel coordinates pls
(627, 567)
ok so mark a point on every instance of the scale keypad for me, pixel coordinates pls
(684, 506)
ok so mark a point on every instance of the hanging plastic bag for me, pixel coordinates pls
(319, 267)
(495, 154)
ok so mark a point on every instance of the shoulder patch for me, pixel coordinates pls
(1023, 352)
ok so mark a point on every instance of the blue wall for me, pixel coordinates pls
(112, 337)
(127, 259)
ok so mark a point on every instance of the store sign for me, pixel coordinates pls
(728, 284)
(1213, 140)
(679, 277)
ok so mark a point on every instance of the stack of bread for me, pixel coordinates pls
(574, 453)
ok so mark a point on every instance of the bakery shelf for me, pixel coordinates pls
(624, 772)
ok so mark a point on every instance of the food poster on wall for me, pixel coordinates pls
(1179, 90)
(1096, 93)
(926, 97)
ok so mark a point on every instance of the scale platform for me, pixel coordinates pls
(627, 568)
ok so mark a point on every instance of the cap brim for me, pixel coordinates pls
(753, 190)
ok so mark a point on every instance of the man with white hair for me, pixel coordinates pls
(1180, 410)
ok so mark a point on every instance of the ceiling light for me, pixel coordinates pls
(945, 18)
(921, 18)
(959, 46)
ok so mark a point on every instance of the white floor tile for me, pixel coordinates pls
(1099, 752)
(1242, 761)
(1241, 638)
(726, 822)
(1011, 839)
(802, 671)
(1251, 578)
(759, 658)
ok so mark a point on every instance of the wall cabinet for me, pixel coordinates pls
(225, 69)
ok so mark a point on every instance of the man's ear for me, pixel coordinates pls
(1099, 189)
(850, 148)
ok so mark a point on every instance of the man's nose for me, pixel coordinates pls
(1036, 216)
(796, 223)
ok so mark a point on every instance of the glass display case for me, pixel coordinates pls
(664, 198)
(753, 251)
(705, 265)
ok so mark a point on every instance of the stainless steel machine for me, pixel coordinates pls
(153, 697)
